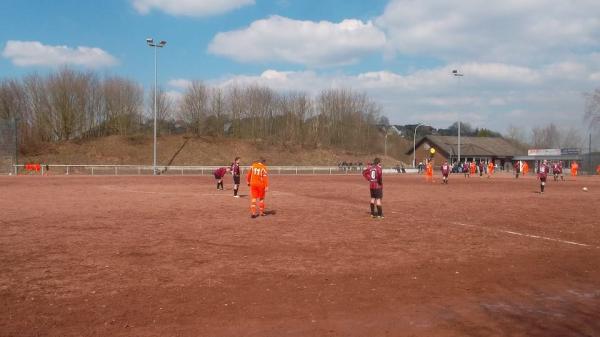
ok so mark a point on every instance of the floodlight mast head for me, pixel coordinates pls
(162, 43)
(456, 73)
(150, 41)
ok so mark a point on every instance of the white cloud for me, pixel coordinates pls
(515, 31)
(488, 95)
(34, 53)
(180, 83)
(309, 43)
(197, 8)
(174, 96)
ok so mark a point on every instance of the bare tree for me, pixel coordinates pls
(12, 99)
(218, 115)
(237, 107)
(164, 108)
(517, 136)
(592, 108)
(68, 93)
(193, 109)
(571, 138)
(70, 104)
(123, 100)
(39, 105)
(347, 119)
(545, 137)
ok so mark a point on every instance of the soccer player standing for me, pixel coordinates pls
(490, 168)
(235, 171)
(574, 168)
(466, 170)
(517, 169)
(525, 169)
(555, 170)
(374, 175)
(543, 174)
(258, 181)
(560, 168)
(445, 172)
(429, 171)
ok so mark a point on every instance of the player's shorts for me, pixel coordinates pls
(377, 193)
(257, 192)
(556, 173)
(218, 177)
(543, 179)
(445, 175)
(236, 180)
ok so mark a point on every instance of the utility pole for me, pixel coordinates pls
(162, 43)
(456, 73)
(16, 125)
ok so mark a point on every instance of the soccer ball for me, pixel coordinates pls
(585, 189)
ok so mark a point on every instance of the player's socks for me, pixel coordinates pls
(372, 209)
(261, 207)
(235, 192)
(379, 211)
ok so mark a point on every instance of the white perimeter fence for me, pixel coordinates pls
(180, 170)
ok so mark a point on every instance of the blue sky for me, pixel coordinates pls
(525, 62)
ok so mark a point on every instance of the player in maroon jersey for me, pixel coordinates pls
(543, 174)
(445, 172)
(466, 170)
(374, 175)
(219, 174)
(560, 169)
(235, 171)
(481, 167)
(555, 170)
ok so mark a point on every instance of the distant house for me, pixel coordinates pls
(471, 149)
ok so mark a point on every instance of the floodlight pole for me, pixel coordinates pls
(414, 143)
(150, 42)
(455, 73)
(16, 121)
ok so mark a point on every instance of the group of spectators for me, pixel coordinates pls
(350, 166)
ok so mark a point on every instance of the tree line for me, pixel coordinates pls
(69, 105)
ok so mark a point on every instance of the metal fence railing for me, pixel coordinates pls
(94, 170)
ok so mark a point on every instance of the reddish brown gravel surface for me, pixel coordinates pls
(172, 256)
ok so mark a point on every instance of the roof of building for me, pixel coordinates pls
(472, 146)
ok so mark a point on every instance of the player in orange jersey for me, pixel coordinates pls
(598, 169)
(525, 168)
(574, 169)
(429, 171)
(472, 168)
(490, 168)
(258, 180)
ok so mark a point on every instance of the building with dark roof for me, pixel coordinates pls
(475, 149)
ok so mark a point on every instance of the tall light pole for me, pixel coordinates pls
(162, 43)
(414, 143)
(455, 73)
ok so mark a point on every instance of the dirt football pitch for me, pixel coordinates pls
(172, 256)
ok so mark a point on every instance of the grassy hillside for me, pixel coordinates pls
(185, 150)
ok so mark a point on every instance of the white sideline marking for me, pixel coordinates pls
(527, 235)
